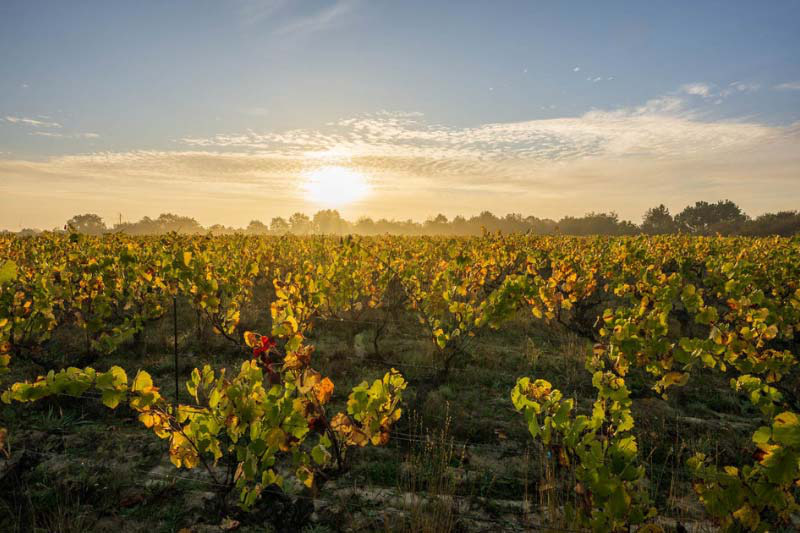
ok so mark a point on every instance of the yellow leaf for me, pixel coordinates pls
(747, 516)
(276, 438)
(672, 378)
(250, 338)
(142, 382)
(309, 478)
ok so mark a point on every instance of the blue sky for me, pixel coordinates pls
(548, 108)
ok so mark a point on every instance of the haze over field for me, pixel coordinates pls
(240, 110)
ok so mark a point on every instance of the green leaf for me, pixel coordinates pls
(786, 429)
(294, 343)
(762, 435)
(441, 341)
(781, 465)
(562, 414)
(320, 455)
(269, 477)
(8, 272)
(707, 315)
(112, 398)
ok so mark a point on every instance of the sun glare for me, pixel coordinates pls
(334, 186)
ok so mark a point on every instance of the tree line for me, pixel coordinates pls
(703, 218)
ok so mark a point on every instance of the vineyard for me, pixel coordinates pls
(493, 383)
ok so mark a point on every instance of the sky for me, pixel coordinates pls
(230, 111)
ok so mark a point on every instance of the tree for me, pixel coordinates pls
(486, 220)
(708, 219)
(329, 221)
(365, 226)
(460, 225)
(300, 224)
(596, 224)
(167, 222)
(540, 226)
(28, 232)
(784, 223)
(657, 220)
(437, 225)
(90, 224)
(221, 229)
(278, 226)
(513, 223)
(256, 227)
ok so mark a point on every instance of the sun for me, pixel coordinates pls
(334, 186)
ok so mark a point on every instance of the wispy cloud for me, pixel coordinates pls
(738, 87)
(256, 11)
(697, 89)
(788, 86)
(65, 135)
(659, 128)
(709, 91)
(597, 79)
(31, 122)
(43, 123)
(318, 20)
(745, 87)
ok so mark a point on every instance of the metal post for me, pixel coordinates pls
(175, 345)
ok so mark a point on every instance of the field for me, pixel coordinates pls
(495, 383)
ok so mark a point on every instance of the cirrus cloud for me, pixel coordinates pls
(31, 122)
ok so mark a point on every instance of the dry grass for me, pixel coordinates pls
(428, 482)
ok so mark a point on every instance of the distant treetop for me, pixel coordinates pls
(703, 218)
